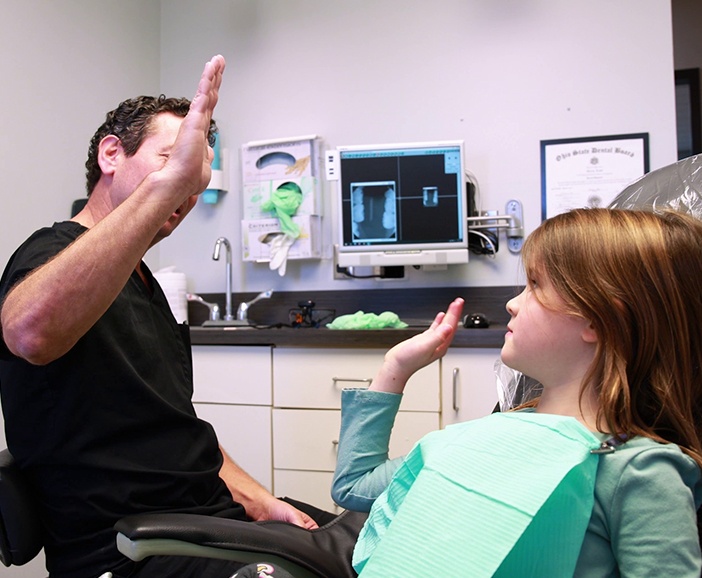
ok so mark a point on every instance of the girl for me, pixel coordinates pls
(610, 323)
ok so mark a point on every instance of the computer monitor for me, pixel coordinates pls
(402, 204)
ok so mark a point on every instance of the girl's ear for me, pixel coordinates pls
(589, 334)
(108, 151)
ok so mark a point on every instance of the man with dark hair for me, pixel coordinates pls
(96, 375)
(131, 123)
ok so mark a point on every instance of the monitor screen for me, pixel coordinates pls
(402, 204)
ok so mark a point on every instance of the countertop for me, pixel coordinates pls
(417, 307)
(489, 337)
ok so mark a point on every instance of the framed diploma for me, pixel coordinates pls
(589, 172)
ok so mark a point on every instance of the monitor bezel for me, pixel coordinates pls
(404, 254)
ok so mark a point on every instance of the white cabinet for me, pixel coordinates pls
(276, 411)
(232, 374)
(314, 378)
(468, 384)
(233, 392)
(307, 387)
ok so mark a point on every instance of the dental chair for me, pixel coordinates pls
(677, 187)
(322, 553)
(21, 532)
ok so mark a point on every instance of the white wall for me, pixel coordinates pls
(502, 75)
(63, 64)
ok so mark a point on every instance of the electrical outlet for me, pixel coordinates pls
(342, 274)
(514, 209)
(337, 275)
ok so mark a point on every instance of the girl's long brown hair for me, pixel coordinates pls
(637, 277)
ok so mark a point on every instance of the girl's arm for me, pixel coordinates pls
(645, 509)
(363, 469)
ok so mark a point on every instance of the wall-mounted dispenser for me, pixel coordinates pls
(218, 181)
(282, 201)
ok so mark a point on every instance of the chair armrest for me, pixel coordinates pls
(322, 553)
(21, 530)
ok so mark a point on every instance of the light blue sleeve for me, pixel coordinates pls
(363, 469)
(647, 536)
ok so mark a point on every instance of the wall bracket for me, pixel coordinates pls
(512, 222)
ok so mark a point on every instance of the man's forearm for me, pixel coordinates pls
(48, 311)
(244, 489)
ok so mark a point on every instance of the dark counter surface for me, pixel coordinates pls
(492, 336)
(415, 306)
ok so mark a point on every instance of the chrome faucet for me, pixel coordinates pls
(213, 307)
(242, 313)
(228, 294)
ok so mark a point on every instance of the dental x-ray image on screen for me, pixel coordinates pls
(402, 204)
(374, 218)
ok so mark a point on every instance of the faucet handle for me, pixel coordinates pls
(213, 307)
(242, 311)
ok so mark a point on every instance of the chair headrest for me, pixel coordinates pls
(677, 186)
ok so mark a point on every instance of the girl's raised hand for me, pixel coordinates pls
(411, 355)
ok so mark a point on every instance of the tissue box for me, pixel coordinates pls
(281, 159)
(255, 194)
(257, 233)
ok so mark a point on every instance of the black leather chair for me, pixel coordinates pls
(21, 532)
(322, 553)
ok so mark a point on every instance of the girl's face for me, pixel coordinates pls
(542, 341)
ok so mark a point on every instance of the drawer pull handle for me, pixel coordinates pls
(335, 442)
(454, 383)
(366, 380)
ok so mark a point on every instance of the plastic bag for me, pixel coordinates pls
(361, 320)
(513, 387)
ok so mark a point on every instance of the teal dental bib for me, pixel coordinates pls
(507, 495)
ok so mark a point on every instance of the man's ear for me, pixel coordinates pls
(109, 150)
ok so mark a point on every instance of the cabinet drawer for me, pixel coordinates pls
(240, 375)
(245, 434)
(308, 439)
(311, 487)
(469, 384)
(314, 378)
